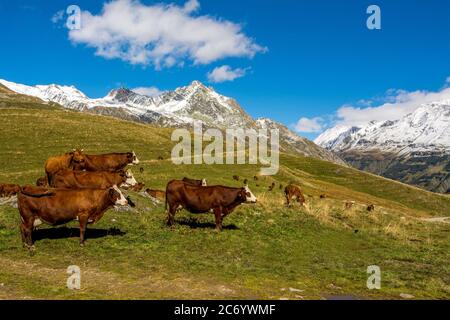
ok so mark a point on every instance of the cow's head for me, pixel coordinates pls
(132, 158)
(78, 159)
(131, 181)
(204, 184)
(116, 196)
(247, 195)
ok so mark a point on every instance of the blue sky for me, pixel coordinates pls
(295, 58)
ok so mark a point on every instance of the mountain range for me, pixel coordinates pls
(414, 149)
(177, 108)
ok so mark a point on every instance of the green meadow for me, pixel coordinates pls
(266, 250)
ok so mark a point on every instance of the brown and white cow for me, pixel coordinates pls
(59, 206)
(107, 162)
(195, 182)
(293, 192)
(93, 180)
(8, 189)
(196, 199)
(63, 162)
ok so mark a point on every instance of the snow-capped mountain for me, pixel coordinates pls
(178, 108)
(413, 149)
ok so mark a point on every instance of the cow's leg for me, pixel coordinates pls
(26, 229)
(83, 218)
(171, 214)
(287, 200)
(218, 215)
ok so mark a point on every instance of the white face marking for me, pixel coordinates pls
(131, 181)
(121, 201)
(204, 183)
(251, 198)
(135, 159)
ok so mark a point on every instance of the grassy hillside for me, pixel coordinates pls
(264, 250)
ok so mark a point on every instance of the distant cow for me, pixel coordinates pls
(107, 162)
(160, 158)
(64, 162)
(272, 186)
(157, 194)
(370, 207)
(42, 182)
(323, 196)
(94, 180)
(293, 192)
(255, 178)
(222, 200)
(195, 182)
(349, 204)
(8, 189)
(236, 178)
(141, 170)
(59, 206)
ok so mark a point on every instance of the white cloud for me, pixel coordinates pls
(162, 35)
(58, 16)
(225, 73)
(309, 124)
(148, 91)
(398, 104)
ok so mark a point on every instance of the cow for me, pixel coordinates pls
(157, 194)
(93, 180)
(138, 187)
(8, 189)
(107, 162)
(370, 207)
(196, 199)
(160, 158)
(195, 182)
(236, 178)
(42, 182)
(293, 192)
(255, 178)
(141, 170)
(349, 204)
(63, 162)
(272, 186)
(39, 205)
(323, 196)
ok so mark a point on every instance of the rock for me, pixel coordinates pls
(406, 296)
(295, 290)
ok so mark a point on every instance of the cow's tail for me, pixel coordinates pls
(36, 195)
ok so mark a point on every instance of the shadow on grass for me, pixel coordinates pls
(195, 224)
(65, 232)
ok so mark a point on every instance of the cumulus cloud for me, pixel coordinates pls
(398, 103)
(225, 73)
(309, 124)
(163, 35)
(148, 91)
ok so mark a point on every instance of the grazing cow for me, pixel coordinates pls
(138, 187)
(42, 182)
(370, 208)
(93, 180)
(349, 204)
(157, 194)
(195, 182)
(255, 178)
(272, 186)
(59, 206)
(236, 178)
(107, 162)
(323, 196)
(222, 200)
(160, 158)
(293, 192)
(66, 161)
(8, 190)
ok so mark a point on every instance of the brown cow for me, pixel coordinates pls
(349, 204)
(59, 206)
(235, 177)
(222, 200)
(107, 162)
(157, 194)
(323, 196)
(8, 189)
(93, 180)
(42, 182)
(272, 186)
(293, 192)
(66, 161)
(370, 207)
(255, 178)
(195, 182)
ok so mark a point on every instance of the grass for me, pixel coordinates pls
(264, 250)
